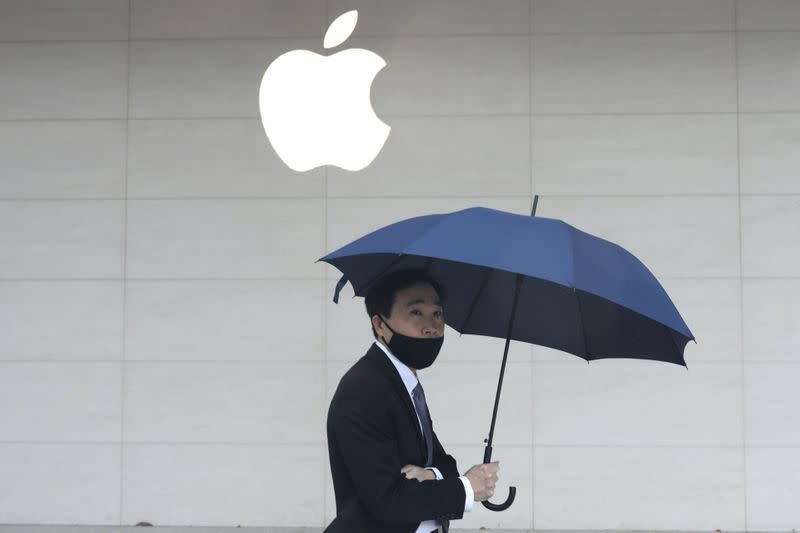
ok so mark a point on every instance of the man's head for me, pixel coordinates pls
(410, 301)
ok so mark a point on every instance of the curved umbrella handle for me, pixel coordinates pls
(512, 491)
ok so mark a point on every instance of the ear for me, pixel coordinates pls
(377, 323)
(380, 328)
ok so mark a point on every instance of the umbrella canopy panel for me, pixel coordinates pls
(478, 301)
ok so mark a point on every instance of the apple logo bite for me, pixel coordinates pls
(316, 109)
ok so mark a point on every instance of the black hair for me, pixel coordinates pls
(380, 297)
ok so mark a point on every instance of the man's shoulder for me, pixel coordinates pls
(363, 379)
(362, 373)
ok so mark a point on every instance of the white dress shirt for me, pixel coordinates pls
(410, 381)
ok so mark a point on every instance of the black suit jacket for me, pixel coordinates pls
(372, 432)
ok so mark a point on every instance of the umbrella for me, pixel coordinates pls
(532, 279)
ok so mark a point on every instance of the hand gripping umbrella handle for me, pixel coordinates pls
(512, 491)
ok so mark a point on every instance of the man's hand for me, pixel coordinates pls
(483, 478)
(417, 472)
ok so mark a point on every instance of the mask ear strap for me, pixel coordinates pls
(388, 326)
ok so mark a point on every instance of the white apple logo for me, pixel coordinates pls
(316, 109)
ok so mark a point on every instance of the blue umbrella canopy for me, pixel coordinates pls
(570, 290)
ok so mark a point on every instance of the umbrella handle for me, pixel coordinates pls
(512, 491)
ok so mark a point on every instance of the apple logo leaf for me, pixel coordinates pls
(340, 29)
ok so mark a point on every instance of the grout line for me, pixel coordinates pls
(324, 328)
(401, 197)
(568, 359)
(442, 116)
(389, 36)
(158, 361)
(532, 184)
(124, 275)
(455, 444)
(390, 115)
(741, 269)
(62, 41)
(163, 443)
(217, 198)
(323, 331)
(77, 118)
(324, 337)
(334, 278)
(185, 280)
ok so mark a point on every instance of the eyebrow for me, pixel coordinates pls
(421, 301)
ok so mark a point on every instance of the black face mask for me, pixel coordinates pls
(412, 351)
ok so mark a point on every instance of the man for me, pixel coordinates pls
(390, 472)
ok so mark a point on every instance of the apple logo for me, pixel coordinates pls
(316, 109)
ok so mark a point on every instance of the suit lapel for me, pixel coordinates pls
(386, 366)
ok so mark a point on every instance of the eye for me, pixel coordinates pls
(438, 314)
(416, 312)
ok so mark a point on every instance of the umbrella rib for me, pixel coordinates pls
(427, 266)
(577, 296)
(580, 317)
(675, 343)
(475, 299)
(382, 272)
(485, 281)
(401, 254)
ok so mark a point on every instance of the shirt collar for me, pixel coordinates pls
(406, 374)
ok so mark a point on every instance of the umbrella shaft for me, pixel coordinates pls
(488, 452)
(487, 456)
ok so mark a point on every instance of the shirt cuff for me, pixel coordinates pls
(470, 497)
(435, 471)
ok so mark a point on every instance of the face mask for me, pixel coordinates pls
(412, 351)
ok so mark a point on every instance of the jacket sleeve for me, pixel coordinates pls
(364, 434)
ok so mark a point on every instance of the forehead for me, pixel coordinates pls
(422, 292)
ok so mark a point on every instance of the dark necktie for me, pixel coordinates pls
(427, 430)
(422, 411)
